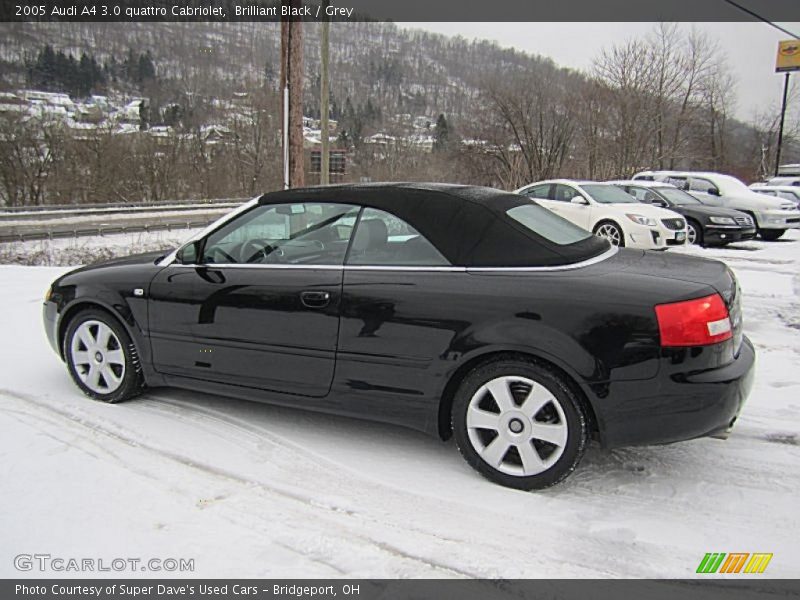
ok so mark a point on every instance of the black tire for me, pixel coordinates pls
(128, 370)
(698, 230)
(576, 426)
(611, 224)
(771, 235)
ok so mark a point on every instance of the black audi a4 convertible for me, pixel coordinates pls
(459, 311)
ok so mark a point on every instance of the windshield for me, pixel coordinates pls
(608, 194)
(547, 224)
(677, 197)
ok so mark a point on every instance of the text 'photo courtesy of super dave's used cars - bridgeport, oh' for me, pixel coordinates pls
(455, 310)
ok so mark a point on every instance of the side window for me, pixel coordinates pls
(642, 195)
(564, 193)
(540, 192)
(294, 234)
(679, 182)
(701, 185)
(383, 239)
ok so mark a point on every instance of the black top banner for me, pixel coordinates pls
(405, 10)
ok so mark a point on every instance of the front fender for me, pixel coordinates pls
(113, 293)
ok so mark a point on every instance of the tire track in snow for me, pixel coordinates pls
(446, 569)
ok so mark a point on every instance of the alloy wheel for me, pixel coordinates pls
(691, 234)
(516, 426)
(610, 232)
(98, 357)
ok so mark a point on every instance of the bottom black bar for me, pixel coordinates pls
(738, 588)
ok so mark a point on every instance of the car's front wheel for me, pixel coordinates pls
(610, 231)
(694, 233)
(519, 424)
(771, 235)
(101, 357)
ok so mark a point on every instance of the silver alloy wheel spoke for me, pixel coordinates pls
(495, 451)
(115, 357)
(692, 235)
(531, 461)
(552, 433)
(97, 357)
(537, 398)
(483, 419)
(103, 336)
(499, 390)
(536, 428)
(80, 357)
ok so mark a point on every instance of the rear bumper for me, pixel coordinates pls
(681, 406)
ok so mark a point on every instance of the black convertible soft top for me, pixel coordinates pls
(467, 224)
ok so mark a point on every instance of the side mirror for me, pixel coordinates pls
(659, 202)
(189, 254)
(712, 191)
(579, 200)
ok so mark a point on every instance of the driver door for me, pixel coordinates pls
(258, 304)
(579, 214)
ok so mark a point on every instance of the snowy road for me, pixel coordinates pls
(250, 490)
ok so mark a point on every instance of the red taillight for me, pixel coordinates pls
(694, 322)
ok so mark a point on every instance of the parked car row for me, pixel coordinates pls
(772, 216)
(656, 210)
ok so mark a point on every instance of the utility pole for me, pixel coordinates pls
(780, 128)
(325, 159)
(292, 90)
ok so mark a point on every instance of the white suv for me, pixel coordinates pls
(787, 192)
(773, 216)
(607, 211)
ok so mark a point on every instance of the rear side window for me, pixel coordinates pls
(547, 224)
(542, 192)
(382, 239)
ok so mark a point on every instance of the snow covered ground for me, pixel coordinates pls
(250, 490)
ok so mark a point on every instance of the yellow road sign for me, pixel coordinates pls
(788, 56)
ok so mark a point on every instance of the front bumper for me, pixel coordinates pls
(654, 238)
(779, 219)
(724, 234)
(678, 406)
(50, 322)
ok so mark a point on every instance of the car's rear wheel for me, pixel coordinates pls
(101, 357)
(771, 235)
(694, 233)
(610, 231)
(519, 424)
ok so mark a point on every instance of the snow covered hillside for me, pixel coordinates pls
(250, 490)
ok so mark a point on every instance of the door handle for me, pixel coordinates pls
(315, 299)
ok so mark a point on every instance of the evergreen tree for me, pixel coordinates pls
(441, 134)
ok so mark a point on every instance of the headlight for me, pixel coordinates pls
(642, 220)
(722, 220)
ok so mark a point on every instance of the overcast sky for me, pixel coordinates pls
(750, 48)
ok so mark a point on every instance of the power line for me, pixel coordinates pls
(760, 18)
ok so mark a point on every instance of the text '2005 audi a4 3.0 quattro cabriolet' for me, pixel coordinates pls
(459, 311)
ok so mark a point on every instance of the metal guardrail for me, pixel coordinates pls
(42, 215)
(101, 231)
(119, 205)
